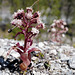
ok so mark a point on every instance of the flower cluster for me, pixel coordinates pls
(29, 23)
(58, 28)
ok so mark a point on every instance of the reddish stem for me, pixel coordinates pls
(26, 36)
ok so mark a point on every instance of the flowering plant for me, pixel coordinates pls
(58, 28)
(29, 24)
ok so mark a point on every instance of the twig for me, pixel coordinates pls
(34, 3)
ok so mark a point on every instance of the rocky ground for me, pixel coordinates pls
(54, 59)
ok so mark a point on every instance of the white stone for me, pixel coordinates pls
(60, 50)
(43, 74)
(40, 44)
(1, 51)
(1, 73)
(34, 58)
(5, 43)
(52, 67)
(53, 52)
(34, 72)
(59, 61)
(15, 54)
(46, 47)
(38, 73)
(63, 57)
(6, 74)
(46, 43)
(4, 54)
(56, 66)
(72, 62)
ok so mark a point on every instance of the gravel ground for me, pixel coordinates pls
(54, 59)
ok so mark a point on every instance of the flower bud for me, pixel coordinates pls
(34, 20)
(54, 20)
(66, 29)
(39, 20)
(20, 11)
(58, 21)
(29, 9)
(62, 27)
(53, 30)
(28, 15)
(14, 15)
(53, 25)
(64, 23)
(9, 30)
(35, 15)
(35, 31)
(63, 35)
(42, 25)
(18, 14)
(16, 22)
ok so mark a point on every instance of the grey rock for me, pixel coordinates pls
(41, 45)
(63, 57)
(15, 54)
(71, 62)
(34, 58)
(60, 57)
(2, 51)
(1, 72)
(53, 52)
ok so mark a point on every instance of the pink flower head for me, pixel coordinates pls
(66, 29)
(29, 9)
(16, 22)
(63, 35)
(53, 30)
(53, 25)
(18, 14)
(39, 20)
(35, 31)
(54, 21)
(34, 21)
(28, 15)
(62, 27)
(41, 25)
(57, 29)
(14, 15)
(57, 21)
(20, 11)
(64, 23)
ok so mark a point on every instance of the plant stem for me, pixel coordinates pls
(26, 36)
